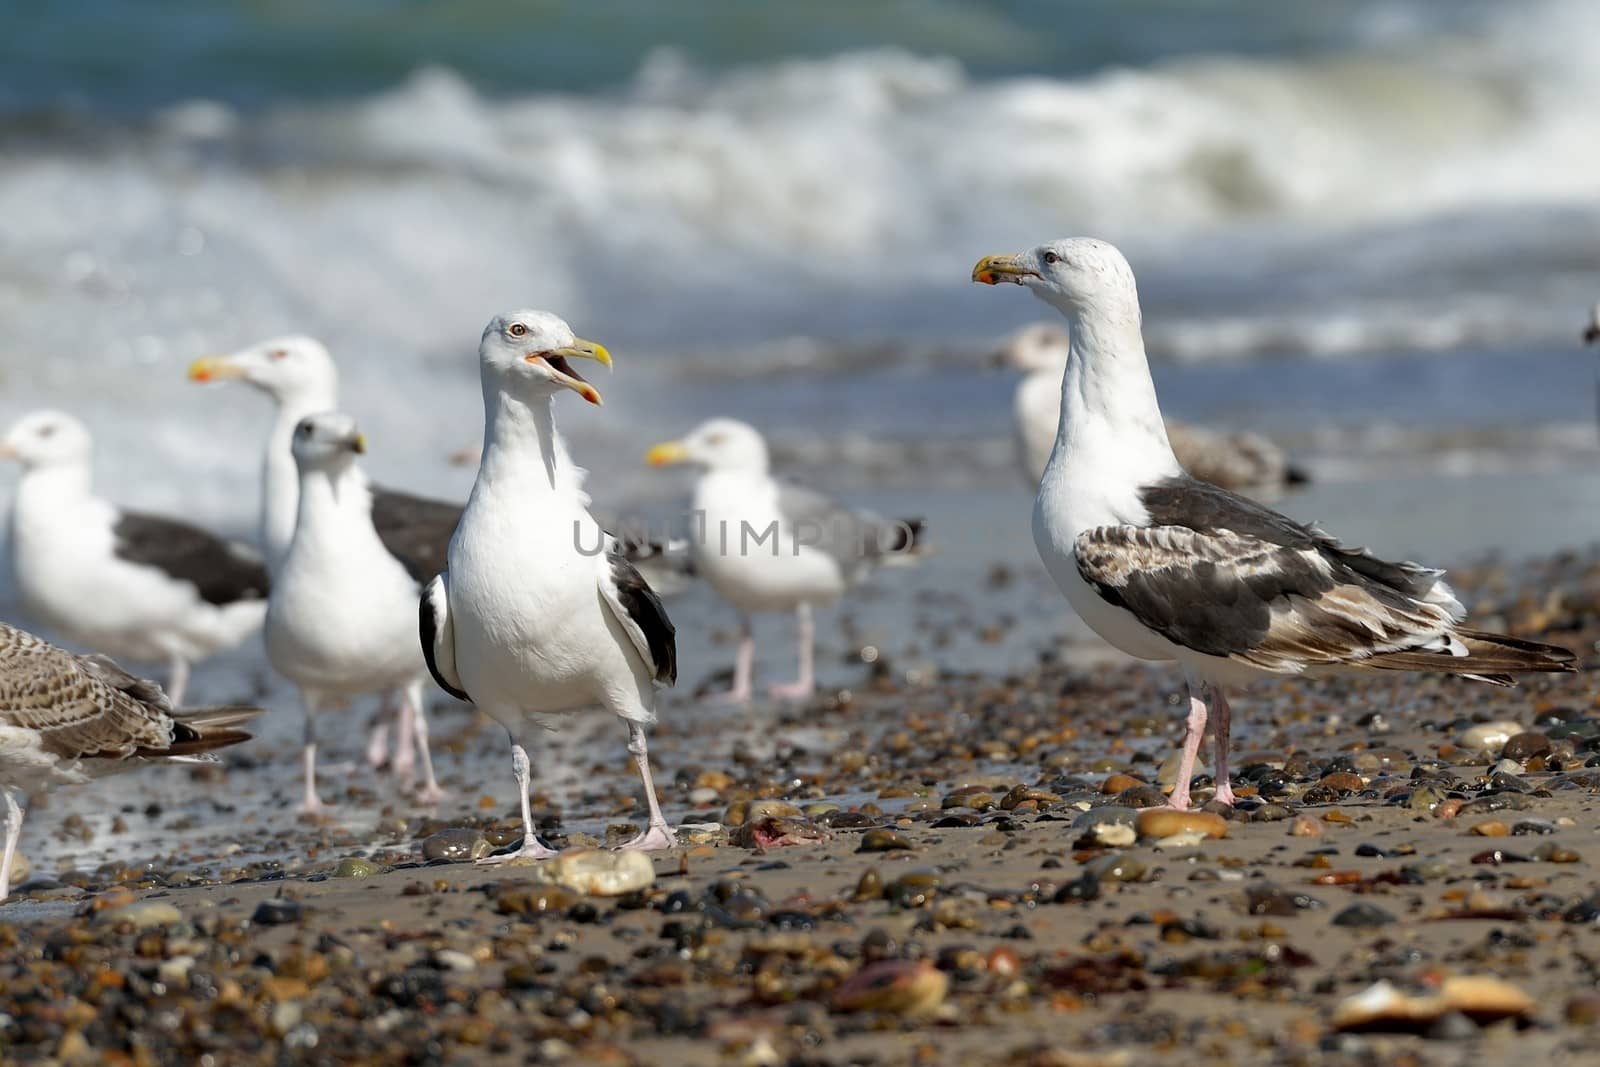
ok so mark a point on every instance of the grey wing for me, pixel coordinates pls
(854, 540)
(222, 571)
(438, 635)
(415, 530)
(80, 706)
(1280, 608)
(636, 606)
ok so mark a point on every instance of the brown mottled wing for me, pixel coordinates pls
(1279, 607)
(415, 530)
(81, 706)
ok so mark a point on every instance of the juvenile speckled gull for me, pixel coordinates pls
(765, 545)
(342, 615)
(1165, 567)
(137, 586)
(65, 719)
(1240, 460)
(530, 620)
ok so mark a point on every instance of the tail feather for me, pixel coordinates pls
(1493, 658)
(200, 730)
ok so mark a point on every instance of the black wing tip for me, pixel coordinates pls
(641, 602)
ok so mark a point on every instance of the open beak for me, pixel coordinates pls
(214, 369)
(666, 454)
(992, 270)
(556, 360)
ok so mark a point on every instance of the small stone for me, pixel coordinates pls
(1157, 823)
(457, 844)
(911, 989)
(1524, 827)
(1584, 1009)
(599, 873)
(1425, 798)
(1078, 891)
(353, 867)
(1094, 817)
(1114, 834)
(1453, 1026)
(1267, 899)
(1490, 737)
(883, 840)
(870, 885)
(141, 915)
(1115, 867)
(1119, 783)
(277, 911)
(1490, 828)
(523, 898)
(1181, 839)
(703, 796)
(1524, 745)
(449, 959)
(1363, 915)
(1305, 826)
(1167, 773)
(1343, 782)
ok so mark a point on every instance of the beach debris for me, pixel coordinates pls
(599, 873)
(1385, 1007)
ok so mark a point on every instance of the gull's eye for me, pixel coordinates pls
(1051, 258)
(518, 330)
(716, 439)
(47, 431)
(278, 353)
(305, 429)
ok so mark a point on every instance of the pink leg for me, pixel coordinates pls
(806, 684)
(531, 848)
(430, 793)
(405, 734)
(658, 834)
(1221, 727)
(13, 831)
(743, 666)
(378, 740)
(312, 804)
(1195, 729)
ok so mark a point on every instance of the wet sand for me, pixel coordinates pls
(944, 871)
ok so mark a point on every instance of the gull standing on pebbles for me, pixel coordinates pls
(1166, 567)
(539, 612)
(67, 719)
(340, 621)
(764, 545)
(1242, 460)
(299, 376)
(139, 586)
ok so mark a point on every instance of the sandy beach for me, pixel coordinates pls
(941, 872)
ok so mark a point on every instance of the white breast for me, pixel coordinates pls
(749, 555)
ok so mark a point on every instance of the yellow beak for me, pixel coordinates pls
(556, 360)
(214, 369)
(666, 454)
(992, 270)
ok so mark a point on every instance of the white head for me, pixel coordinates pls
(1074, 274)
(288, 369)
(526, 353)
(47, 439)
(328, 441)
(1038, 347)
(716, 444)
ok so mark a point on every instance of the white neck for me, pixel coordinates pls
(334, 512)
(1111, 427)
(280, 478)
(521, 448)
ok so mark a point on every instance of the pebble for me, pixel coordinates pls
(1490, 828)
(1119, 783)
(600, 873)
(884, 840)
(1363, 915)
(1167, 773)
(353, 867)
(1528, 743)
(1114, 834)
(912, 989)
(1425, 798)
(277, 911)
(1115, 867)
(1159, 823)
(1489, 737)
(141, 915)
(1267, 899)
(458, 845)
(531, 898)
(1306, 826)
(1078, 891)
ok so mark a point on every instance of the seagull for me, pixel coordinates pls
(1241, 460)
(340, 619)
(141, 587)
(1169, 568)
(67, 719)
(539, 612)
(300, 377)
(765, 545)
